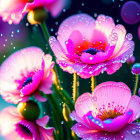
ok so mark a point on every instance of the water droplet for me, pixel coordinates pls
(83, 4)
(51, 29)
(133, 132)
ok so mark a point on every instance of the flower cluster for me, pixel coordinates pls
(84, 47)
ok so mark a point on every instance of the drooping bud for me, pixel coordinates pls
(37, 15)
(29, 110)
(136, 68)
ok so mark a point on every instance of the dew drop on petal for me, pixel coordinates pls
(133, 132)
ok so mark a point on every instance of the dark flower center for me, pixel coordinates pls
(28, 80)
(92, 51)
(24, 131)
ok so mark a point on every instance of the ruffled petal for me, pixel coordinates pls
(80, 22)
(56, 47)
(105, 24)
(98, 57)
(84, 104)
(81, 130)
(16, 67)
(8, 118)
(12, 14)
(112, 95)
(134, 104)
(43, 121)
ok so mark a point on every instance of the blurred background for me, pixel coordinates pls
(15, 37)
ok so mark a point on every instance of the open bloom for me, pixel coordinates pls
(89, 47)
(14, 126)
(24, 73)
(107, 113)
(13, 11)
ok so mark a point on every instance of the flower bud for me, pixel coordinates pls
(66, 113)
(131, 60)
(37, 15)
(136, 68)
(29, 110)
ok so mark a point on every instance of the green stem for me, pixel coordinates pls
(93, 83)
(136, 84)
(57, 115)
(63, 95)
(75, 87)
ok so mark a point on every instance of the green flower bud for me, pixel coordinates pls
(29, 110)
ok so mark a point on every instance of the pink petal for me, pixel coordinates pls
(83, 23)
(113, 125)
(12, 14)
(32, 87)
(39, 97)
(105, 24)
(121, 32)
(53, 6)
(98, 36)
(17, 66)
(45, 133)
(113, 68)
(76, 37)
(56, 47)
(98, 57)
(129, 132)
(8, 118)
(81, 130)
(43, 121)
(46, 84)
(84, 104)
(112, 95)
(134, 104)
(70, 46)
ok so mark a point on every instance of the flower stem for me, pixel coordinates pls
(63, 95)
(57, 115)
(93, 83)
(75, 87)
(136, 84)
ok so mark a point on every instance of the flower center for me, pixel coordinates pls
(24, 131)
(28, 80)
(92, 51)
(111, 114)
(91, 48)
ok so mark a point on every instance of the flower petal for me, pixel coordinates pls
(134, 104)
(84, 104)
(80, 22)
(112, 95)
(105, 24)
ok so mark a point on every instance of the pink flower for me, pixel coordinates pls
(108, 113)
(13, 126)
(24, 73)
(13, 11)
(90, 47)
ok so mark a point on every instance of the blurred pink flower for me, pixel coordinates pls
(108, 113)
(89, 47)
(13, 11)
(13, 126)
(24, 73)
